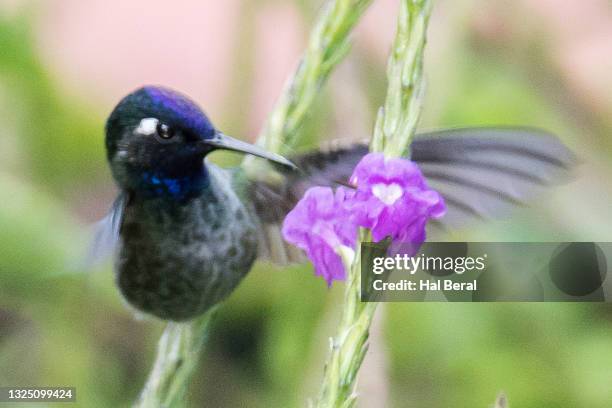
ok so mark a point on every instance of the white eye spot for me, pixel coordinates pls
(147, 127)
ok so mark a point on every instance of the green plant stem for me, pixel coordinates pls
(328, 44)
(397, 119)
(395, 126)
(349, 347)
(178, 353)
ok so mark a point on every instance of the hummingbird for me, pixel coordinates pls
(185, 232)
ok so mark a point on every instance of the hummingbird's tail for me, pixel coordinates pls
(481, 173)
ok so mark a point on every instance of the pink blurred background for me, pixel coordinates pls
(101, 49)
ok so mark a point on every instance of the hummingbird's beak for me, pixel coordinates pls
(222, 141)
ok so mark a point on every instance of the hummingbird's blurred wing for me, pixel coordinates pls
(481, 173)
(485, 172)
(106, 234)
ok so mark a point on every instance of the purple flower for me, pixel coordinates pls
(393, 200)
(319, 224)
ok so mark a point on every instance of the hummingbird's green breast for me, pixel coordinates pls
(177, 259)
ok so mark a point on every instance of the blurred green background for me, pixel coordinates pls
(65, 63)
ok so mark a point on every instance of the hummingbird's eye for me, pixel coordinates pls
(164, 131)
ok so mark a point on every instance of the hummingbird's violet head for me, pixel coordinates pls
(157, 138)
(156, 133)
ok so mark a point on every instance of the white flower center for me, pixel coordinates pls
(347, 254)
(387, 193)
